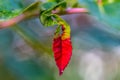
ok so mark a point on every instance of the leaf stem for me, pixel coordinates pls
(21, 17)
(76, 10)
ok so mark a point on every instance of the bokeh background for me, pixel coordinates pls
(26, 48)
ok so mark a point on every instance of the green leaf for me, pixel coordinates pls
(5, 14)
(45, 16)
(110, 1)
(47, 20)
(32, 7)
(48, 5)
(9, 9)
(59, 19)
(55, 1)
(61, 5)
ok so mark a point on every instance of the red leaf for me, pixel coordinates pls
(62, 49)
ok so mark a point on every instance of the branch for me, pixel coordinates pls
(24, 16)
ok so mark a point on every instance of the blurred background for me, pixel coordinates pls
(26, 48)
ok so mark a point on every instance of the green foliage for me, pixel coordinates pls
(48, 5)
(57, 1)
(70, 3)
(108, 12)
(9, 9)
(6, 14)
(32, 7)
(9, 4)
(45, 16)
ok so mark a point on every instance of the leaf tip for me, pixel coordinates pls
(60, 72)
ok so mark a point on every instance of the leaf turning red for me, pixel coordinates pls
(62, 47)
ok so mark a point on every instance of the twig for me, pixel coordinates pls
(17, 19)
(76, 10)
